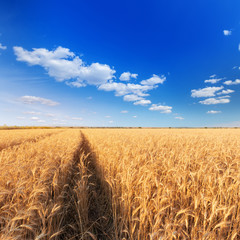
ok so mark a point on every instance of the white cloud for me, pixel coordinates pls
(134, 116)
(2, 47)
(126, 76)
(227, 32)
(210, 101)
(63, 65)
(124, 111)
(142, 102)
(122, 89)
(225, 96)
(95, 74)
(134, 75)
(77, 118)
(119, 88)
(34, 118)
(107, 116)
(139, 89)
(213, 76)
(76, 84)
(110, 121)
(213, 80)
(132, 98)
(227, 91)
(33, 99)
(131, 92)
(230, 82)
(179, 118)
(155, 79)
(205, 92)
(20, 117)
(161, 108)
(213, 112)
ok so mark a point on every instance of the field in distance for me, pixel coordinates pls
(120, 184)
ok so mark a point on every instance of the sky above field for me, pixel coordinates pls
(120, 63)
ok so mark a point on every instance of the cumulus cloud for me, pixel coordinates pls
(230, 82)
(2, 47)
(179, 118)
(155, 79)
(76, 84)
(213, 112)
(218, 100)
(213, 80)
(205, 92)
(142, 102)
(161, 108)
(124, 111)
(133, 92)
(122, 89)
(34, 99)
(64, 65)
(227, 32)
(126, 76)
(227, 91)
(119, 88)
(132, 98)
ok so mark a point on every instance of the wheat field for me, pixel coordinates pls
(120, 184)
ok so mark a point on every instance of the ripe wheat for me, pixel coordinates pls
(171, 184)
(40, 183)
(10, 138)
(120, 184)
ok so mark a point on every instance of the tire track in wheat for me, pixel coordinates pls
(85, 199)
(99, 195)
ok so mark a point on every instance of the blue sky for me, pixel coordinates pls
(120, 63)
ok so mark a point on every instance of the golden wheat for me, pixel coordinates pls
(37, 188)
(10, 138)
(171, 184)
(120, 184)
